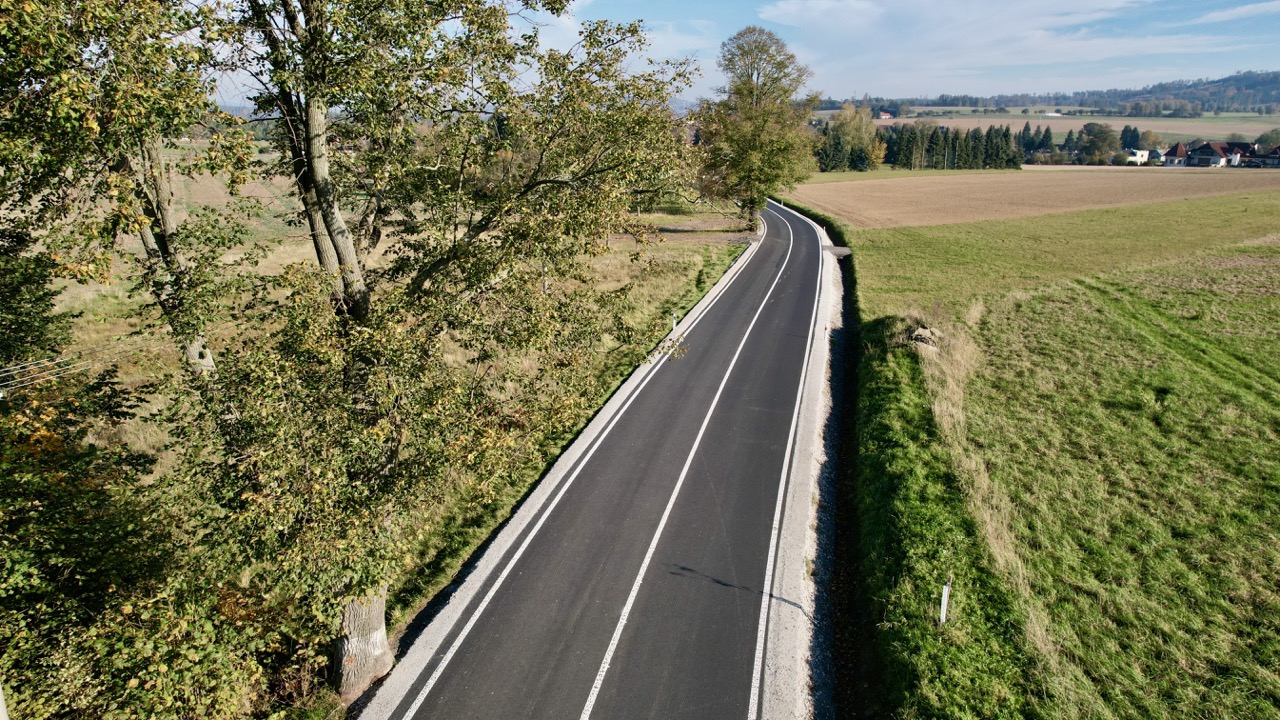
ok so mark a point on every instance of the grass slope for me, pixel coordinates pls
(1094, 445)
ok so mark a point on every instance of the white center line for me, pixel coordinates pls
(653, 544)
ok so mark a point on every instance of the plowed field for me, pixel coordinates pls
(945, 199)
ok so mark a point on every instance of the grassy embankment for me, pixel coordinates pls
(1091, 453)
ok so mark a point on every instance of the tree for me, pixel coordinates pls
(96, 616)
(1100, 142)
(1149, 140)
(855, 131)
(1269, 139)
(84, 118)
(754, 139)
(490, 188)
(833, 153)
(1046, 141)
(485, 166)
(1130, 138)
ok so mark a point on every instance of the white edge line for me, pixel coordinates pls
(675, 492)
(757, 670)
(687, 324)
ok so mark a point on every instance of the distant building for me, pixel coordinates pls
(1052, 115)
(1220, 154)
(886, 116)
(1176, 156)
(1138, 157)
(1270, 159)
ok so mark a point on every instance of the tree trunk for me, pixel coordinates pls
(325, 254)
(362, 653)
(355, 290)
(158, 205)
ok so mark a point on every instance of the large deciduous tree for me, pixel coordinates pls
(755, 139)
(1098, 142)
(354, 396)
(484, 170)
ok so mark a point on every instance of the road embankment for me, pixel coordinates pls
(896, 531)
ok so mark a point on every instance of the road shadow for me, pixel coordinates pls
(688, 572)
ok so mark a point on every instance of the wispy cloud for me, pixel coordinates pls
(906, 47)
(1237, 13)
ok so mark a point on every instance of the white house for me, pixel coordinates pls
(1138, 157)
(1176, 156)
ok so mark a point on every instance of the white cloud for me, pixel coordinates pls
(801, 13)
(1238, 13)
(923, 47)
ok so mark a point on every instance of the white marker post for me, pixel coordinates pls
(946, 596)
(4, 714)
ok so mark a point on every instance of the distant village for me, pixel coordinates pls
(1210, 154)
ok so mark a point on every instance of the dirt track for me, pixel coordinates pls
(943, 199)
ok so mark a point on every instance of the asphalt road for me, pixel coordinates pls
(638, 592)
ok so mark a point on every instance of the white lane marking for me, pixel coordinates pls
(651, 371)
(757, 670)
(653, 544)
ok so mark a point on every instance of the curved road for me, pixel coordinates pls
(636, 590)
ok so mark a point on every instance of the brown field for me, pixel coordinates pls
(926, 199)
(1210, 128)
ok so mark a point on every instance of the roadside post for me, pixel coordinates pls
(946, 596)
(4, 714)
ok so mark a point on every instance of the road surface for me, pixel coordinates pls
(636, 589)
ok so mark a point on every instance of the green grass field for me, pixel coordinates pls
(1091, 454)
(1131, 421)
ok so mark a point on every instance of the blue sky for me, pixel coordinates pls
(907, 48)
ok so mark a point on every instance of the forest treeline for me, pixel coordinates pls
(1254, 92)
(850, 140)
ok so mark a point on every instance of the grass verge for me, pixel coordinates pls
(903, 530)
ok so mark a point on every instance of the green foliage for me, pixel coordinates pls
(924, 145)
(1269, 139)
(851, 141)
(1098, 143)
(92, 623)
(29, 329)
(305, 471)
(755, 140)
(85, 97)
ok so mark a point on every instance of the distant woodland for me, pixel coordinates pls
(1243, 92)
